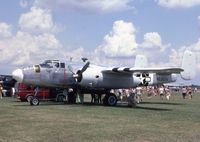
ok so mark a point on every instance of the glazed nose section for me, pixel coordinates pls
(18, 75)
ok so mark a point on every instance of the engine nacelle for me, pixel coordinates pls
(91, 78)
(94, 77)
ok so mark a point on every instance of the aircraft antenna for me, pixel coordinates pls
(84, 59)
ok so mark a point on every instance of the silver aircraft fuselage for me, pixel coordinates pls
(53, 73)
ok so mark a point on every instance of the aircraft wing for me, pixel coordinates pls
(143, 70)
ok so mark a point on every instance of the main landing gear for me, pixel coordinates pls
(110, 99)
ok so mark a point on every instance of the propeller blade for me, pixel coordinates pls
(85, 67)
(79, 74)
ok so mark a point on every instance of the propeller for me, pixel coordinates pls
(85, 67)
(79, 75)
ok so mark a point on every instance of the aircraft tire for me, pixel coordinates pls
(34, 101)
(111, 99)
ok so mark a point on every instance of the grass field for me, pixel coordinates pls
(154, 120)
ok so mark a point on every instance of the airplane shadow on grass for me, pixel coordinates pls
(86, 104)
(162, 103)
(125, 105)
(151, 108)
(49, 103)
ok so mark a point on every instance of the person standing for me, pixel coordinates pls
(92, 98)
(139, 94)
(1, 91)
(65, 93)
(161, 92)
(99, 98)
(150, 91)
(189, 92)
(167, 93)
(81, 97)
(184, 92)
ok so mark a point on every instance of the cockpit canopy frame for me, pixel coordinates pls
(53, 64)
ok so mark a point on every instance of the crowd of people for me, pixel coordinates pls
(165, 92)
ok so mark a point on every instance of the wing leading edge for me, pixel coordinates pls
(126, 70)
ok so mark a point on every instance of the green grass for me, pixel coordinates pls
(154, 120)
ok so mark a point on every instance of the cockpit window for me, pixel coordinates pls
(138, 75)
(56, 64)
(52, 64)
(36, 68)
(46, 65)
(62, 65)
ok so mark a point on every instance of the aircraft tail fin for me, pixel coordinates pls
(189, 65)
(141, 61)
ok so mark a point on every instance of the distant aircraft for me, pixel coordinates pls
(101, 80)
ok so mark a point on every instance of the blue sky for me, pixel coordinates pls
(108, 32)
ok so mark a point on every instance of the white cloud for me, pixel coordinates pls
(195, 46)
(86, 5)
(27, 49)
(175, 57)
(5, 30)
(23, 3)
(153, 40)
(37, 21)
(76, 54)
(196, 49)
(33, 43)
(178, 3)
(120, 42)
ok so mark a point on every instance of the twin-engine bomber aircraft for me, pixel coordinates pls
(101, 80)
